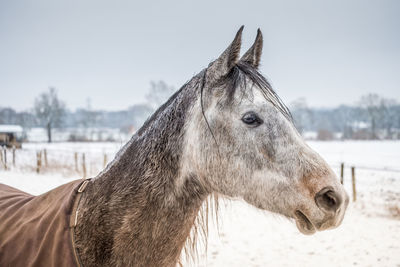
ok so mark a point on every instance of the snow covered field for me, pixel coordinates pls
(369, 235)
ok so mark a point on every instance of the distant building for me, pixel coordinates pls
(309, 135)
(11, 135)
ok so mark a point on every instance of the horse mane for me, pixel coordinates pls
(243, 70)
(175, 109)
(209, 212)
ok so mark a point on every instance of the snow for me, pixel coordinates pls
(310, 135)
(38, 134)
(8, 128)
(368, 236)
(362, 154)
(33, 183)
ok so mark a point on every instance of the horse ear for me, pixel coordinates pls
(227, 60)
(253, 55)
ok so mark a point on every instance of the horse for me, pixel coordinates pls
(224, 133)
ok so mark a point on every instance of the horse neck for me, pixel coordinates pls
(133, 213)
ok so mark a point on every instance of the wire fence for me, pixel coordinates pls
(88, 159)
(69, 161)
(376, 185)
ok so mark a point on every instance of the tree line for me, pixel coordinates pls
(372, 117)
(49, 111)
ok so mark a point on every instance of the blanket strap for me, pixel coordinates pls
(74, 219)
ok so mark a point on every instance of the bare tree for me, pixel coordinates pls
(342, 119)
(374, 106)
(89, 118)
(325, 135)
(159, 93)
(49, 110)
(391, 114)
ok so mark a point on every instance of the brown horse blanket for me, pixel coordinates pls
(35, 230)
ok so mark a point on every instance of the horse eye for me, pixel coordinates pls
(251, 119)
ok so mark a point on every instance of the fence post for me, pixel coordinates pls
(105, 161)
(83, 165)
(38, 161)
(341, 172)
(45, 157)
(353, 178)
(13, 155)
(1, 159)
(5, 157)
(76, 161)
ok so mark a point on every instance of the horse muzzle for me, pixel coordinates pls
(327, 213)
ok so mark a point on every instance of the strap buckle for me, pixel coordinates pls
(83, 186)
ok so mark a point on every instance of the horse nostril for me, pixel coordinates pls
(328, 200)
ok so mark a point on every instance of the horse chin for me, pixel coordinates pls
(304, 225)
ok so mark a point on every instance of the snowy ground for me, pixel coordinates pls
(369, 235)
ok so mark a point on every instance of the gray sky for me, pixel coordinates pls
(329, 52)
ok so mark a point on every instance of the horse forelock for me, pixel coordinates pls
(238, 78)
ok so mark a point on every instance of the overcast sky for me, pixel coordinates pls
(329, 52)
